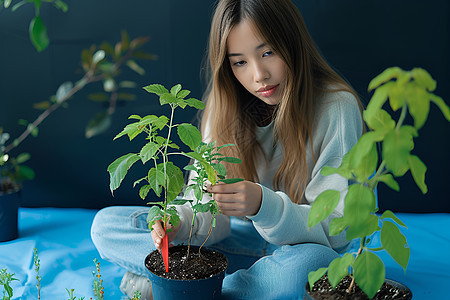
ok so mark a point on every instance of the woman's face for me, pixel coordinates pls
(255, 65)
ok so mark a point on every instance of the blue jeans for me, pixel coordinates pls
(257, 269)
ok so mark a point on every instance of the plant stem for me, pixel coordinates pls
(89, 77)
(209, 233)
(360, 250)
(402, 116)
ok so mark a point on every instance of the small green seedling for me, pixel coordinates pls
(408, 91)
(5, 281)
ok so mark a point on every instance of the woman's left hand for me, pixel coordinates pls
(237, 199)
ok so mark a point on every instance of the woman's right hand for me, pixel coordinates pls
(158, 233)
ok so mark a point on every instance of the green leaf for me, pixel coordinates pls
(442, 105)
(101, 97)
(338, 269)
(175, 181)
(313, 276)
(231, 180)
(38, 34)
(386, 75)
(337, 225)
(148, 152)
(389, 214)
(154, 214)
(418, 101)
(18, 5)
(377, 101)
(232, 160)
(156, 179)
(366, 228)
(118, 169)
(99, 124)
(323, 206)
(175, 89)
(132, 130)
(126, 96)
(135, 67)
(189, 135)
(178, 201)
(43, 105)
(418, 170)
(183, 94)
(360, 202)
(23, 157)
(220, 169)
(26, 173)
(396, 148)
(395, 243)
(143, 192)
(61, 5)
(150, 119)
(206, 166)
(389, 180)
(195, 103)
(201, 207)
(396, 96)
(363, 157)
(380, 121)
(156, 89)
(369, 273)
(423, 79)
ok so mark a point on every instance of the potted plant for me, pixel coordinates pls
(165, 177)
(100, 64)
(364, 271)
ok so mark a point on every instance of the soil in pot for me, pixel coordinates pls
(323, 290)
(181, 267)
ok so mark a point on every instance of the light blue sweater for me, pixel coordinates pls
(337, 127)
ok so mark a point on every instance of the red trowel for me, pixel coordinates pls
(165, 251)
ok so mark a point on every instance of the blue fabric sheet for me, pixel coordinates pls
(62, 237)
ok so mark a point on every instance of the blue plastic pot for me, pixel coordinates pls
(9, 205)
(172, 289)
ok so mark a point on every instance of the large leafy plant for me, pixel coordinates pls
(407, 91)
(163, 176)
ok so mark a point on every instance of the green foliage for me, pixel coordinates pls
(5, 281)
(100, 64)
(406, 91)
(163, 175)
(37, 29)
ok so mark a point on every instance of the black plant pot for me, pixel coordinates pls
(394, 284)
(174, 289)
(9, 205)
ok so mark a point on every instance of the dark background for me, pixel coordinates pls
(358, 38)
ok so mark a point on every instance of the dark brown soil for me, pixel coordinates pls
(208, 264)
(323, 290)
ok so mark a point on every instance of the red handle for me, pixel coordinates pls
(165, 252)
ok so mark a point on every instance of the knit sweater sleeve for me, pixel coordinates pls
(337, 127)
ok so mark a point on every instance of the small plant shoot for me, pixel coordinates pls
(407, 91)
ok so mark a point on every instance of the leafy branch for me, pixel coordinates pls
(408, 91)
(100, 64)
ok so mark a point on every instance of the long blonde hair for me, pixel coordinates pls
(229, 113)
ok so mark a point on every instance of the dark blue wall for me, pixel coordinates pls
(358, 38)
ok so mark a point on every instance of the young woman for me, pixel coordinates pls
(289, 115)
